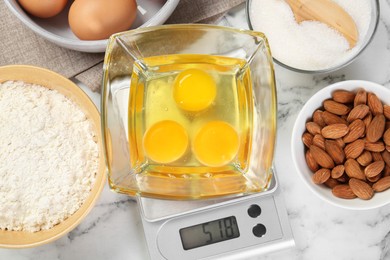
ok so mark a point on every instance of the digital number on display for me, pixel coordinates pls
(209, 233)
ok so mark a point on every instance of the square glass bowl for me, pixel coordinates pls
(141, 71)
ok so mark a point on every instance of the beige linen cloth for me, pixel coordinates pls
(19, 45)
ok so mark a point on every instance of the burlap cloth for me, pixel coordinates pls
(19, 45)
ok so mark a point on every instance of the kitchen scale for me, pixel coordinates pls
(250, 219)
(236, 228)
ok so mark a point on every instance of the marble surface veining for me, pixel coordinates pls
(322, 231)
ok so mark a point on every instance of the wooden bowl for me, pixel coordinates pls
(52, 80)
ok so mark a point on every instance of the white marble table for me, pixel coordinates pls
(322, 231)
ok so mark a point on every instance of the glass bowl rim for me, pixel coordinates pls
(187, 27)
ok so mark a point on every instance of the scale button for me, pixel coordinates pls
(254, 211)
(259, 230)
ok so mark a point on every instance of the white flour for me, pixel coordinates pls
(48, 158)
(308, 45)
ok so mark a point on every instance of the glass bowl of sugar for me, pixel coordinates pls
(312, 46)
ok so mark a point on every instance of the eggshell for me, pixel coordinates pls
(98, 19)
(43, 8)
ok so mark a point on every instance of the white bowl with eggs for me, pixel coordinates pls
(298, 148)
(57, 30)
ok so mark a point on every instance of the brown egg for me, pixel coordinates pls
(98, 19)
(43, 8)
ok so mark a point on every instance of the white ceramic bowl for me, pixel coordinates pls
(375, 12)
(57, 30)
(297, 146)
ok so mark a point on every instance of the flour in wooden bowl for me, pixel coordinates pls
(49, 157)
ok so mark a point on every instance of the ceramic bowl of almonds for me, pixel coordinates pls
(341, 144)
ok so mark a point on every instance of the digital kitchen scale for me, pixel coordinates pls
(236, 228)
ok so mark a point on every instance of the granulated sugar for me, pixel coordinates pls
(48, 158)
(309, 45)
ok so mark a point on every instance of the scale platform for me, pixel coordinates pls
(235, 228)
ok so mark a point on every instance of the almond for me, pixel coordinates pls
(311, 163)
(382, 184)
(356, 130)
(354, 149)
(388, 148)
(336, 107)
(367, 119)
(387, 124)
(375, 178)
(386, 137)
(331, 183)
(313, 128)
(358, 112)
(386, 157)
(337, 171)
(365, 158)
(317, 118)
(343, 96)
(374, 169)
(386, 111)
(361, 189)
(331, 119)
(321, 176)
(319, 140)
(343, 191)
(360, 98)
(374, 104)
(376, 156)
(376, 128)
(307, 139)
(374, 147)
(321, 157)
(353, 170)
(343, 179)
(335, 151)
(340, 142)
(334, 131)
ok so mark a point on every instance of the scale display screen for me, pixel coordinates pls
(209, 233)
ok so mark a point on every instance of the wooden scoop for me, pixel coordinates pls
(328, 12)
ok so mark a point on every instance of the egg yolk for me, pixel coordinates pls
(216, 144)
(165, 141)
(194, 90)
